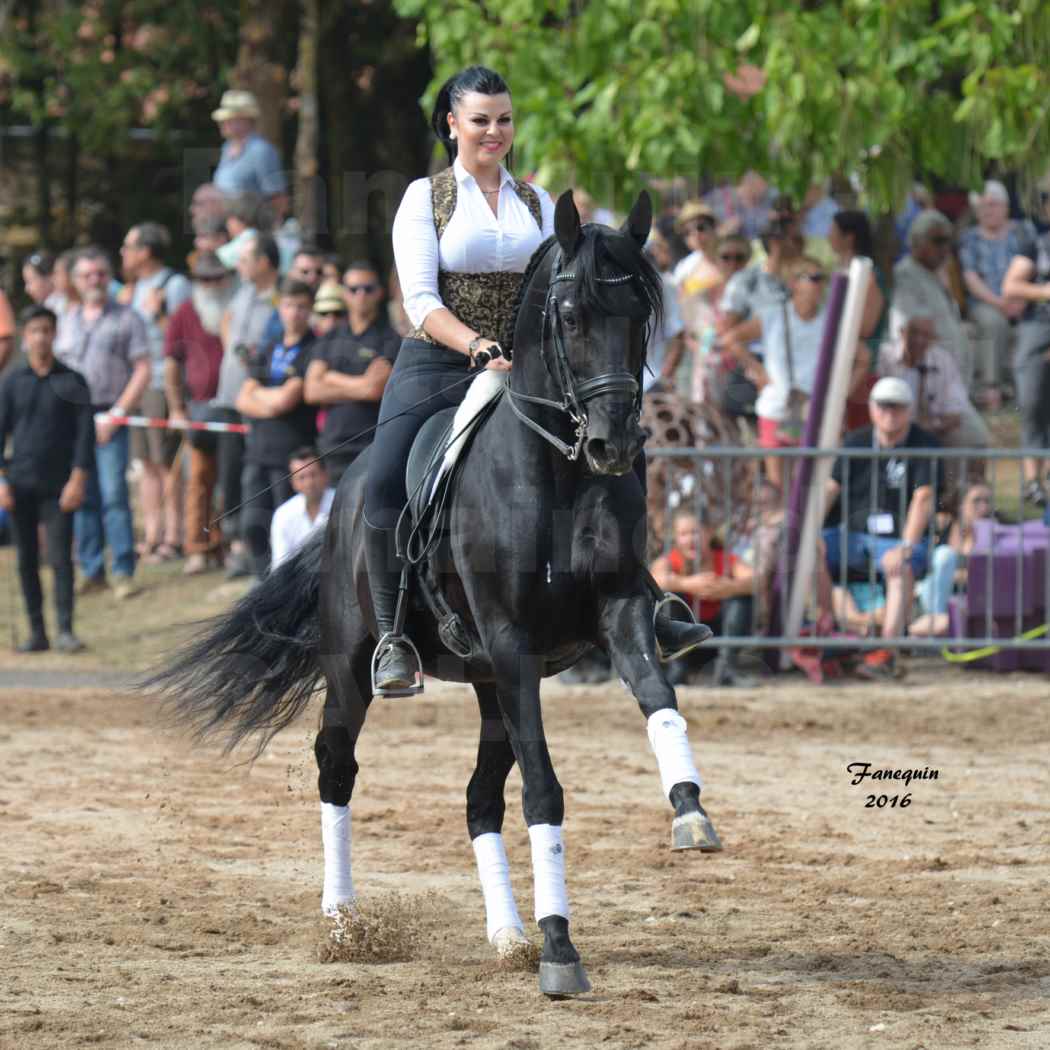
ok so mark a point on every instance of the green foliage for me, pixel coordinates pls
(100, 67)
(608, 92)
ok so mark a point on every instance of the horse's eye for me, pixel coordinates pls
(568, 315)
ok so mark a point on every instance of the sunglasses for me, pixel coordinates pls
(733, 257)
(701, 225)
(940, 238)
(353, 289)
(815, 278)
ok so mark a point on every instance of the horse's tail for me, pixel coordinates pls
(253, 669)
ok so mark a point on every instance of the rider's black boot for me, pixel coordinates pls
(678, 637)
(395, 666)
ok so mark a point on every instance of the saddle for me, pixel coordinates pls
(434, 464)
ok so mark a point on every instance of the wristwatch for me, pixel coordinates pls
(473, 346)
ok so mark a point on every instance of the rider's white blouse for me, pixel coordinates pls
(475, 240)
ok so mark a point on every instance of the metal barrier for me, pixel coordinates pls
(768, 521)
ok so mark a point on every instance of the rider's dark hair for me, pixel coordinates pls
(474, 78)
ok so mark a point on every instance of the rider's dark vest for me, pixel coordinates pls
(482, 301)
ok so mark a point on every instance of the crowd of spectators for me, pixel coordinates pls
(260, 328)
(954, 326)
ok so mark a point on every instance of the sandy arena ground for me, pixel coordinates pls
(162, 896)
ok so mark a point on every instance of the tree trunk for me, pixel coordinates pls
(309, 198)
(256, 72)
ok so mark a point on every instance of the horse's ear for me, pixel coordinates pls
(640, 221)
(567, 224)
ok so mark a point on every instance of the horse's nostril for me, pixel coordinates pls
(596, 448)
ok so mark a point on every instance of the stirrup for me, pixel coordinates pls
(669, 599)
(384, 643)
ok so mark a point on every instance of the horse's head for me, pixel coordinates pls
(604, 294)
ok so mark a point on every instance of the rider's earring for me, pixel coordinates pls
(452, 135)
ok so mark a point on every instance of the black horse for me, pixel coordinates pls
(542, 557)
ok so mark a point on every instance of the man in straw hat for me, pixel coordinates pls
(248, 164)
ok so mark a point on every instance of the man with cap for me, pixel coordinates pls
(193, 355)
(985, 251)
(350, 365)
(919, 291)
(879, 509)
(248, 163)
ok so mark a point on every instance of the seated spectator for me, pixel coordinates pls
(45, 408)
(208, 202)
(306, 511)
(193, 360)
(349, 368)
(211, 236)
(272, 398)
(920, 287)
(330, 308)
(1028, 279)
(718, 587)
(887, 504)
(985, 251)
(791, 337)
(948, 563)
(941, 403)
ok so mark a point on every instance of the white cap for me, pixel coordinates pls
(890, 390)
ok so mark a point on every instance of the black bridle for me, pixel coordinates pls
(574, 393)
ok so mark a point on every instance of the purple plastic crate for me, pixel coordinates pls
(1007, 568)
(965, 624)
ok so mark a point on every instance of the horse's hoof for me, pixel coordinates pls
(695, 831)
(562, 980)
(510, 942)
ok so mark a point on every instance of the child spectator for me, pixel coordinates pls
(717, 586)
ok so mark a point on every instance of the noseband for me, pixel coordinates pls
(574, 393)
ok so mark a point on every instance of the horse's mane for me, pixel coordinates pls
(523, 289)
(617, 252)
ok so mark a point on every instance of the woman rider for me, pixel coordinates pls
(462, 240)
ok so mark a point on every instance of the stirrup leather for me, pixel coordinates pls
(385, 642)
(671, 599)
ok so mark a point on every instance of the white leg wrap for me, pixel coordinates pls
(674, 756)
(548, 871)
(500, 910)
(335, 835)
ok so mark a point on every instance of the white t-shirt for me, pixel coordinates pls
(474, 241)
(685, 266)
(672, 326)
(772, 400)
(291, 525)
